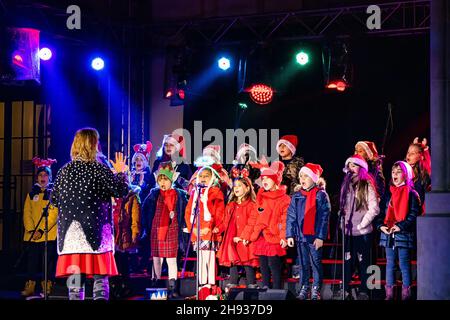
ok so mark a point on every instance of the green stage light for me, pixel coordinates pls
(302, 58)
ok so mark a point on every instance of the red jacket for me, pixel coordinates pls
(216, 206)
(239, 222)
(272, 210)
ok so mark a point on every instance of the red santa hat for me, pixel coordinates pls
(176, 140)
(358, 160)
(312, 170)
(143, 151)
(212, 151)
(274, 172)
(407, 170)
(290, 141)
(370, 149)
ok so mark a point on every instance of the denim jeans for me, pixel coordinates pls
(310, 257)
(404, 258)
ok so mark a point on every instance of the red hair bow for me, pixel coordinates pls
(236, 173)
(43, 162)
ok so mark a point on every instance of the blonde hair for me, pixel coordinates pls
(85, 145)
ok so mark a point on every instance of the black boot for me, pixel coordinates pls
(172, 289)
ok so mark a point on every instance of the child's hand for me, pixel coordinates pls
(395, 229)
(216, 230)
(385, 230)
(290, 242)
(171, 214)
(236, 239)
(318, 243)
(204, 231)
(37, 235)
(283, 243)
(245, 242)
(185, 230)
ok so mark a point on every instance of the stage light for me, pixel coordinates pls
(339, 85)
(223, 63)
(18, 60)
(242, 105)
(98, 64)
(169, 94)
(181, 94)
(302, 58)
(261, 93)
(45, 54)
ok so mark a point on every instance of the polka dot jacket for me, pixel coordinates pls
(82, 193)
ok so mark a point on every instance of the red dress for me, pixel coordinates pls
(86, 263)
(238, 222)
(270, 226)
(167, 248)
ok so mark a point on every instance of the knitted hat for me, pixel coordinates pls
(358, 160)
(274, 172)
(143, 151)
(212, 151)
(370, 149)
(290, 141)
(314, 171)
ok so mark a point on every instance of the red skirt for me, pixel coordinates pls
(86, 263)
(264, 248)
(167, 248)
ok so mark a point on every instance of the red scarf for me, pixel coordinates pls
(309, 220)
(398, 206)
(169, 197)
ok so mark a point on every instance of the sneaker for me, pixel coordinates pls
(304, 293)
(315, 293)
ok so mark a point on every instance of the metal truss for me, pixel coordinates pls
(397, 18)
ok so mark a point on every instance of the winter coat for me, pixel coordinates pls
(35, 202)
(149, 210)
(244, 216)
(127, 220)
(376, 171)
(145, 180)
(359, 222)
(82, 193)
(296, 216)
(406, 237)
(216, 206)
(290, 174)
(271, 207)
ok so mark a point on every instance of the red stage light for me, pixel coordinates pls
(169, 94)
(181, 94)
(261, 93)
(339, 85)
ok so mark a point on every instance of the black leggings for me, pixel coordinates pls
(249, 275)
(271, 266)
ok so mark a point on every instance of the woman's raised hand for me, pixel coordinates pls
(120, 165)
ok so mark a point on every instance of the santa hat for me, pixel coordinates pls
(244, 149)
(212, 151)
(43, 165)
(314, 171)
(176, 140)
(167, 169)
(143, 151)
(370, 149)
(290, 141)
(358, 160)
(407, 170)
(274, 172)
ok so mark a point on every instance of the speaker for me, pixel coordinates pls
(260, 294)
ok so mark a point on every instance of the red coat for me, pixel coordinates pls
(272, 210)
(216, 206)
(238, 222)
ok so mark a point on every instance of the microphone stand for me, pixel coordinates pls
(196, 219)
